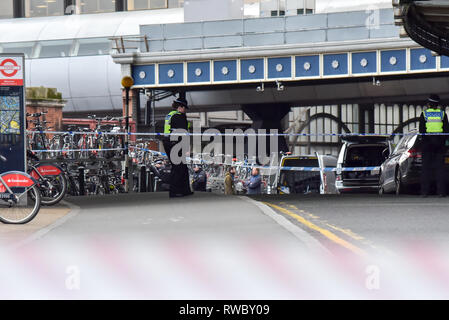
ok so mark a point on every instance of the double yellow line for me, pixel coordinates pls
(331, 236)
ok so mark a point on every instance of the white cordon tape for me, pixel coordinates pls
(149, 150)
(309, 169)
(157, 134)
(75, 150)
(355, 169)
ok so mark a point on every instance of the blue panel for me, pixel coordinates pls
(280, 67)
(175, 69)
(144, 75)
(445, 62)
(340, 67)
(364, 62)
(257, 67)
(198, 72)
(422, 59)
(386, 61)
(225, 70)
(307, 66)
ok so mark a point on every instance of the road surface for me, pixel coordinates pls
(214, 247)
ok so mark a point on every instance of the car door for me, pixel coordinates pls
(391, 163)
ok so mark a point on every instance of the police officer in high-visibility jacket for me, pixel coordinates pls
(433, 123)
(179, 176)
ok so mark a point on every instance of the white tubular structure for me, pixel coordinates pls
(71, 53)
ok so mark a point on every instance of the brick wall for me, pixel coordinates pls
(53, 116)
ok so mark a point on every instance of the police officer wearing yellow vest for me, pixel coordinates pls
(179, 176)
(433, 123)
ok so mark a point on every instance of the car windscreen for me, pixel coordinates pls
(300, 162)
(300, 181)
(364, 155)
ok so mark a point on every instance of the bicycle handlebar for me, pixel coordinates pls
(36, 115)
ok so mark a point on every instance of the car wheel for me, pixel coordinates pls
(398, 182)
(381, 188)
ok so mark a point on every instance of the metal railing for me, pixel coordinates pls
(120, 43)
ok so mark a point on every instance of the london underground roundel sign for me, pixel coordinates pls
(11, 71)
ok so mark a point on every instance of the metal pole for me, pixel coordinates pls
(127, 140)
(127, 83)
(153, 110)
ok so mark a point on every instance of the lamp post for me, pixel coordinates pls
(127, 83)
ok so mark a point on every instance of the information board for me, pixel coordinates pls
(12, 112)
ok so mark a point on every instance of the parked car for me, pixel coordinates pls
(361, 152)
(304, 182)
(401, 171)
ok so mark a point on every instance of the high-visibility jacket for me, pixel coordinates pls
(167, 125)
(434, 120)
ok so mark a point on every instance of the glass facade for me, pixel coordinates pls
(283, 7)
(19, 47)
(154, 4)
(93, 47)
(175, 3)
(44, 8)
(6, 9)
(58, 48)
(96, 6)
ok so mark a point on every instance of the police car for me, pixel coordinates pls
(304, 174)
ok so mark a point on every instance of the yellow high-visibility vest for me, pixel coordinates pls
(434, 120)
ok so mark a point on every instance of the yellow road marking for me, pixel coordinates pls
(308, 213)
(331, 236)
(347, 232)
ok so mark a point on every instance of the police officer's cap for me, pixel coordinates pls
(434, 99)
(180, 102)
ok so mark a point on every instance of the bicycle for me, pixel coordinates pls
(20, 198)
(50, 179)
(37, 139)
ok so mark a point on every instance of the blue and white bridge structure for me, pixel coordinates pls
(267, 65)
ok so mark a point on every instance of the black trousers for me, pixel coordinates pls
(179, 175)
(433, 170)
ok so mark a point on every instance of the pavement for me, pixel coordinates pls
(11, 235)
(203, 215)
(207, 246)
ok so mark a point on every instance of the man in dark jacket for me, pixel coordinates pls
(254, 184)
(199, 180)
(432, 124)
(179, 178)
(162, 172)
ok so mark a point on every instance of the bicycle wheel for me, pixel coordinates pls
(21, 206)
(53, 189)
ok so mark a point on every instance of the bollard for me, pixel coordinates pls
(150, 180)
(143, 179)
(81, 181)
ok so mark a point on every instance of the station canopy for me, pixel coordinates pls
(426, 22)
